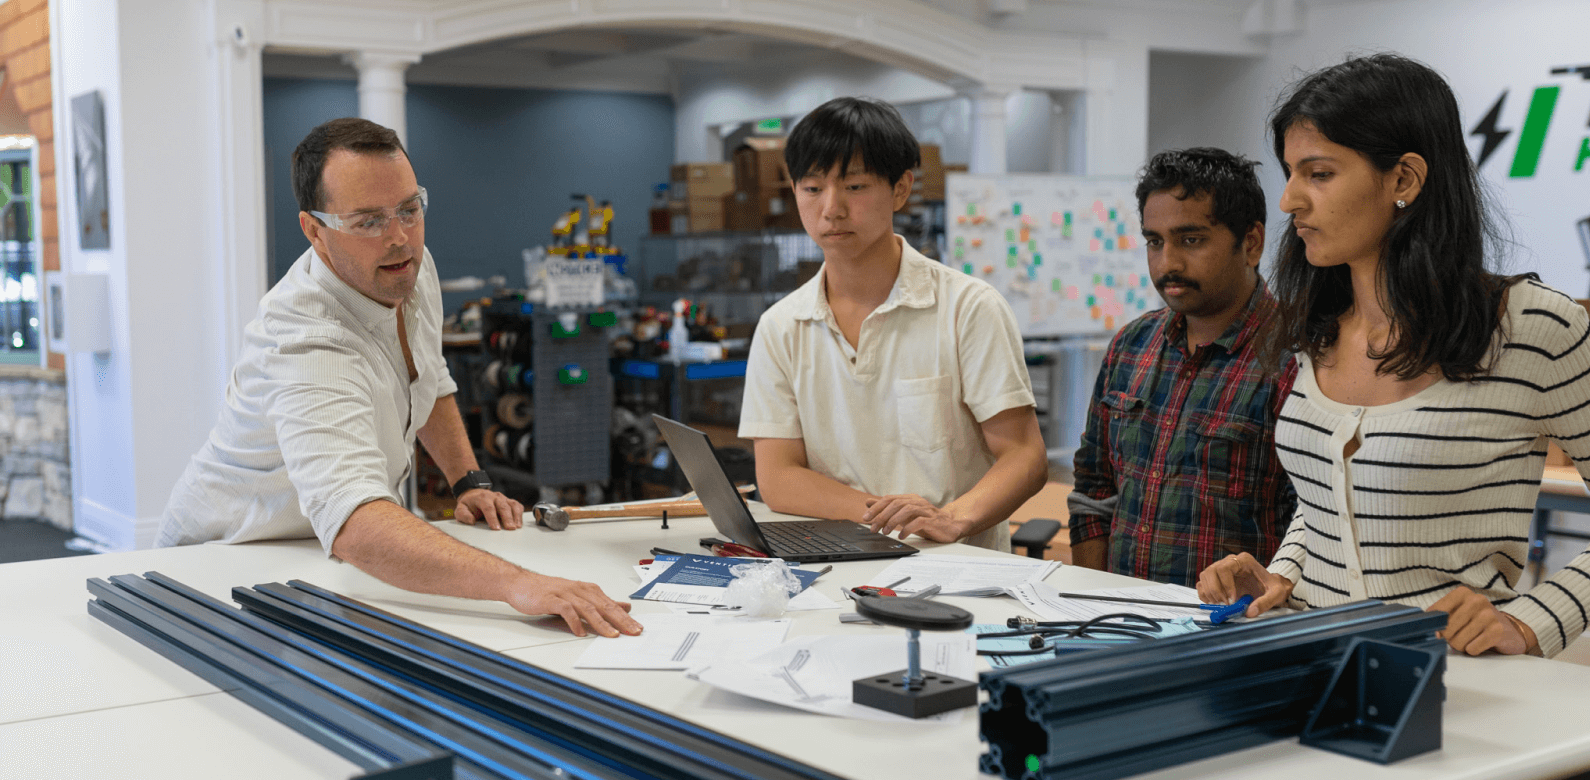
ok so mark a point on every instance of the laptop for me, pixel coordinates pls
(803, 541)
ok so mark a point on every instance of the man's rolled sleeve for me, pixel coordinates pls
(326, 430)
(769, 410)
(993, 366)
(1085, 525)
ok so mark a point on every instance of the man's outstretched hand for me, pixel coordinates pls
(580, 604)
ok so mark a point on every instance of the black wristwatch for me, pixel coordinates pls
(472, 480)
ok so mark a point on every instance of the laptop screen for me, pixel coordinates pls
(696, 457)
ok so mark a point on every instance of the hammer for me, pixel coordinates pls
(556, 518)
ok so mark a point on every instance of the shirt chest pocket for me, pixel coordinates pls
(1132, 442)
(923, 408)
(1228, 449)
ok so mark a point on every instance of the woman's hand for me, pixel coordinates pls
(1475, 625)
(1235, 576)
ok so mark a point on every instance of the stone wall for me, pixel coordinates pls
(35, 472)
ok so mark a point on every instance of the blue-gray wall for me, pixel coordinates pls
(499, 164)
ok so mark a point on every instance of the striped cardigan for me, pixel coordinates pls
(1442, 489)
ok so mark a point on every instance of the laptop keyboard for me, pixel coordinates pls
(798, 537)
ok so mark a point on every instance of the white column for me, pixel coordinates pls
(239, 173)
(988, 129)
(381, 88)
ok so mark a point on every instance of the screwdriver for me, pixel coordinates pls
(1218, 613)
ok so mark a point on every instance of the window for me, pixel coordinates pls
(19, 271)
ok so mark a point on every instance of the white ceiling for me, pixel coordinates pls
(638, 59)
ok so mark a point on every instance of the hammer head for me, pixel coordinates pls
(550, 516)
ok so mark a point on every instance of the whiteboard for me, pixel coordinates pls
(1065, 251)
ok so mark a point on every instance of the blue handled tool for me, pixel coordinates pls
(1218, 613)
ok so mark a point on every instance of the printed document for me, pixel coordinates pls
(962, 575)
(814, 673)
(680, 642)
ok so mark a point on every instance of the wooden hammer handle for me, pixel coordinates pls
(676, 509)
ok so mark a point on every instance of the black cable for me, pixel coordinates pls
(1039, 631)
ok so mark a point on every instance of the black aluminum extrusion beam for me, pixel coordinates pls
(1159, 703)
(365, 689)
(509, 752)
(387, 693)
(321, 718)
(554, 706)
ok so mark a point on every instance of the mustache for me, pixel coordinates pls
(1176, 279)
(398, 255)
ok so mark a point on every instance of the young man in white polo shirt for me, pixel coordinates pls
(890, 389)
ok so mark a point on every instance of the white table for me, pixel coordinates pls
(80, 700)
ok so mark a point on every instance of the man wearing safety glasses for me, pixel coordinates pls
(341, 371)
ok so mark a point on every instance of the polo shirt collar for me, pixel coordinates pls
(368, 312)
(914, 287)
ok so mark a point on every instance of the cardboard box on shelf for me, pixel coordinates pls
(690, 181)
(697, 215)
(929, 184)
(759, 165)
(751, 210)
(741, 212)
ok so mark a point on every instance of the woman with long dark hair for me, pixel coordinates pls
(1428, 384)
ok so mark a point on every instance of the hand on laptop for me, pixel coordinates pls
(911, 514)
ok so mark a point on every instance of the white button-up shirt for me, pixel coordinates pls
(901, 411)
(320, 415)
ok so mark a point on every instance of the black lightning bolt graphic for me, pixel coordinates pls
(1486, 128)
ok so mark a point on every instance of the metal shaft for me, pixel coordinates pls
(913, 660)
(1122, 600)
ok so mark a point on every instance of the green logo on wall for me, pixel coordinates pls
(1532, 138)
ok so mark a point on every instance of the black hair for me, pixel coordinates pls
(309, 159)
(1235, 198)
(842, 128)
(1443, 302)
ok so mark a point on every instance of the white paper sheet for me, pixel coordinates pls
(1045, 600)
(808, 599)
(814, 673)
(963, 575)
(683, 641)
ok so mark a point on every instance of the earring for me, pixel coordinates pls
(1402, 204)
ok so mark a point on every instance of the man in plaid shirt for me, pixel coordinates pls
(1177, 467)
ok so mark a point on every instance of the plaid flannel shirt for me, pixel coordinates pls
(1184, 444)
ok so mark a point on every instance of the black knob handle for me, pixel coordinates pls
(918, 614)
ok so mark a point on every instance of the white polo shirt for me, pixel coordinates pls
(900, 412)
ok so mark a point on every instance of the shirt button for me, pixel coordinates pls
(1354, 574)
(1357, 412)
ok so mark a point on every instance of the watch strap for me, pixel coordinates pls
(471, 481)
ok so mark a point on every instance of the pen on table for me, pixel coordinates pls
(661, 551)
(824, 570)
